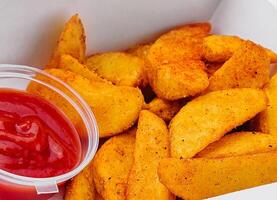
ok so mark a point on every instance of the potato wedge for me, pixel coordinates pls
(71, 41)
(81, 186)
(175, 70)
(200, 178)
(178, 80)
(152, 144)
(163, 108)
(179, 44)
(240, 143)
(116, 108)
(248, 67)
(117, 67)
(219, 48)
(112, 164)
(67, 62)
(266, 120)
(207, 118)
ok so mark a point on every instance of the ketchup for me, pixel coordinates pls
(36, 139)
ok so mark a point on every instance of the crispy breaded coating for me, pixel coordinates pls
(71, 41)
(116, 108)
(118, 67)
(175, 70)
(207, 118)
(247, 68)
(240, 143)
(163, 108)
(266, 120)
(152, 144)
(201, 178)
(112, 164)
(81, 186)
(219, 48)
(70, 63)
(179, 44)
(178, 80)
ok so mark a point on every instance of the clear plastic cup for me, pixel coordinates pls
(26, 188)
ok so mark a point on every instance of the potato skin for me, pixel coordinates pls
(207, 118)
(118, 67)
(116, 108)
(201, 178)
(81, 186)
(240, 143)
(112, 164)
(247, 68)
(71, 41)
(152, 144)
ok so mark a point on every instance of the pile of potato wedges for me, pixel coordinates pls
(190, 115)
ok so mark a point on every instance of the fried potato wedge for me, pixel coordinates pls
(175, 70)
(70, 63)
(240, 143)
(152, 144)
(179, 44)
(112, 164)
(219, 48)
(81, 186)
(266, 120)
(116, 108)
(118, 67)
(201, 178)
(248, 67)
(71, 41)
(178, 80)
(207, 118)
(163, 108)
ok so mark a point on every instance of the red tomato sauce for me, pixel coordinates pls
(36, 139)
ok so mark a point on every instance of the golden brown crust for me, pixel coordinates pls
(71, 41)
(207, 118)
(201, 178)
(247, 68)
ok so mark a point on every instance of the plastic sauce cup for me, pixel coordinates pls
(14, 187)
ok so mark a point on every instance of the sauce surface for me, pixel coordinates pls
(36, 139)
